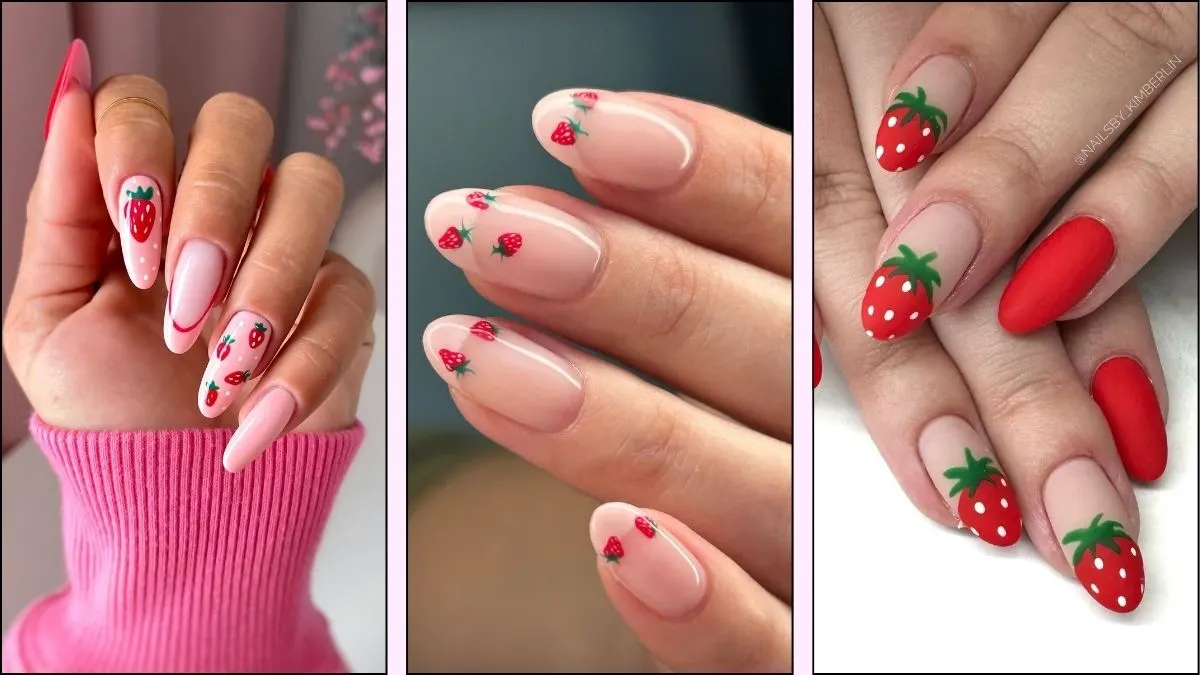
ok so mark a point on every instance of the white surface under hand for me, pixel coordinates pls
(895, 592)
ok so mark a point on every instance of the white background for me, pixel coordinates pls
(897, 593)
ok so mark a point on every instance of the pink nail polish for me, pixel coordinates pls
(654, 567)
(615, 138)
(76, 70)
(514, 241)
(505, 372)
(234, 361)
(259, 429)
(194, 287)
(141, 211)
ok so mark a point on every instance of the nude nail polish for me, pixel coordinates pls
(965, 472)
(198, 276)
(644, 558)
(505, 372)
(615, 138)
(76, 70)
(234, 361)
(140, 212)
(261, 426)
(514, 241)
(923, 265)
(1124, 393)
(923, 112)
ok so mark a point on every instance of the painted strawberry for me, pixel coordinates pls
(454, 237)
(567, 132)
(238, 377)
(257, 335)
(900, 295)
(613, 551)
(1108, 564)
(507, 245)
(210, 397)
(986, 502)
(140, 212)
(584, 100)
(455, 362)
(481, 200)
(908, 132)
(485, 329)
(223, 348)
(646, 526)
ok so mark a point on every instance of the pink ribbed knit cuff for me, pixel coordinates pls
(175, 565)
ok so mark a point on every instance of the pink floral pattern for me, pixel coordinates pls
(357, 105)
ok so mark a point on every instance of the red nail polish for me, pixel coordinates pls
(76, 70)
(1108, 563)
(909, 131)
(899, 296)
(1127, 398)
(816, 362)
(1057, 275)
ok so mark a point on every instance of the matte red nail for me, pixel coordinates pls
(816, 362)
(1057, 275)
(1127, 398)
(76, 68)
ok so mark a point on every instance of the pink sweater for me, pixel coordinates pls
(175, 565)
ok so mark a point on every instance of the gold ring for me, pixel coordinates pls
(133, 99)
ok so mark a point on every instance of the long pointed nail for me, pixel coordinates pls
(194, 288)
(76, 70)
(923, 112)
(261, 426)
(234, 361)
(1124, 393)
(141, 210)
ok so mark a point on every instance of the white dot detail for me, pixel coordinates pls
(1121, 600)
(870, 334)
(1003, 503)
(887, 316)
(145, 277)
(879, 281)
(920, 159)
(906, 286)
(975, 532)
(1095, 588)
(240, 359)
(870, 310)
(980, 508)
(878, 151)
(913, 316)
(142, 259)
(1099, 564)
(1003, 482)
(1121, 572)
(926, 131)
(899, 147)
(227, 393)
(1001, 531)
(156, 247)
(1133, 551)
(891, 121)
(891, 336)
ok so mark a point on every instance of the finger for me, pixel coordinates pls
(1117, 220)
(980, 201)
(213, 211)
(275, 276)
(691, 606)
(1113, 351)
(705, 174)
(609, 433)
(1079, 508)
(663, 305)
(135, 152)
(325, 343)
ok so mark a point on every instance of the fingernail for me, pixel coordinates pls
(233, 362)
(1057, 274)
(615, 138)
(503, 371)
(965, 471)
(922, 112)
(141, 229)
(194, 287)
(1088, 516)
(651, 564)
(514, 241)
(76, 70)
(924, 264)
(1124, 393)
(816, 362)
(259, 429)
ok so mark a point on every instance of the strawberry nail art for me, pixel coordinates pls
(909, 131)
(141, 229)
(234, 361)
(1108, 564)
(485, 329)
(987, 504)
(507, 245)
(899, 296)
(646, 526)
(455, 237)
(584, 101)
(613, 551)
(481, 200)
(567, 132)
(455, 362)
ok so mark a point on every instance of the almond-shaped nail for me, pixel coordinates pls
(261, 427)
(1089, 518)
(199, 273)
(76, 70)
(1057, 274)
(922, 112)
(140, 216)
(615, 138)
(924, 264)
(1123, 392)
(644, 558)
(514, 241)
(965, 471)
(234, 361)
(505, 372)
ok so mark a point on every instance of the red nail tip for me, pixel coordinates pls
(1057, 275)
(76, 69)
(987, 504)
(899, 296)
(1108, 564)
(1127, 398)
(816, 362)
(908, 132)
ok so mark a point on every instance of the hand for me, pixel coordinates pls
(683, 272)
(1024, 105)
(85, 328)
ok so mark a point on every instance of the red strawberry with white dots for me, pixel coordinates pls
(646, 526)
(1108, 564)
(238, 377)
(140, 213)
(987, 504)
(567, 132)
(485, 330)
(257, 335)
(613, 551)
(900, 295)
(507, 245)
(210, 397)
(908, 132)
(223, 348)
(584, 100)
(481, 200)
(454, 237)
(455, 362)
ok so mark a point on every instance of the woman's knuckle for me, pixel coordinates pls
(672, 296)
(319, 176)
(1015, 389)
